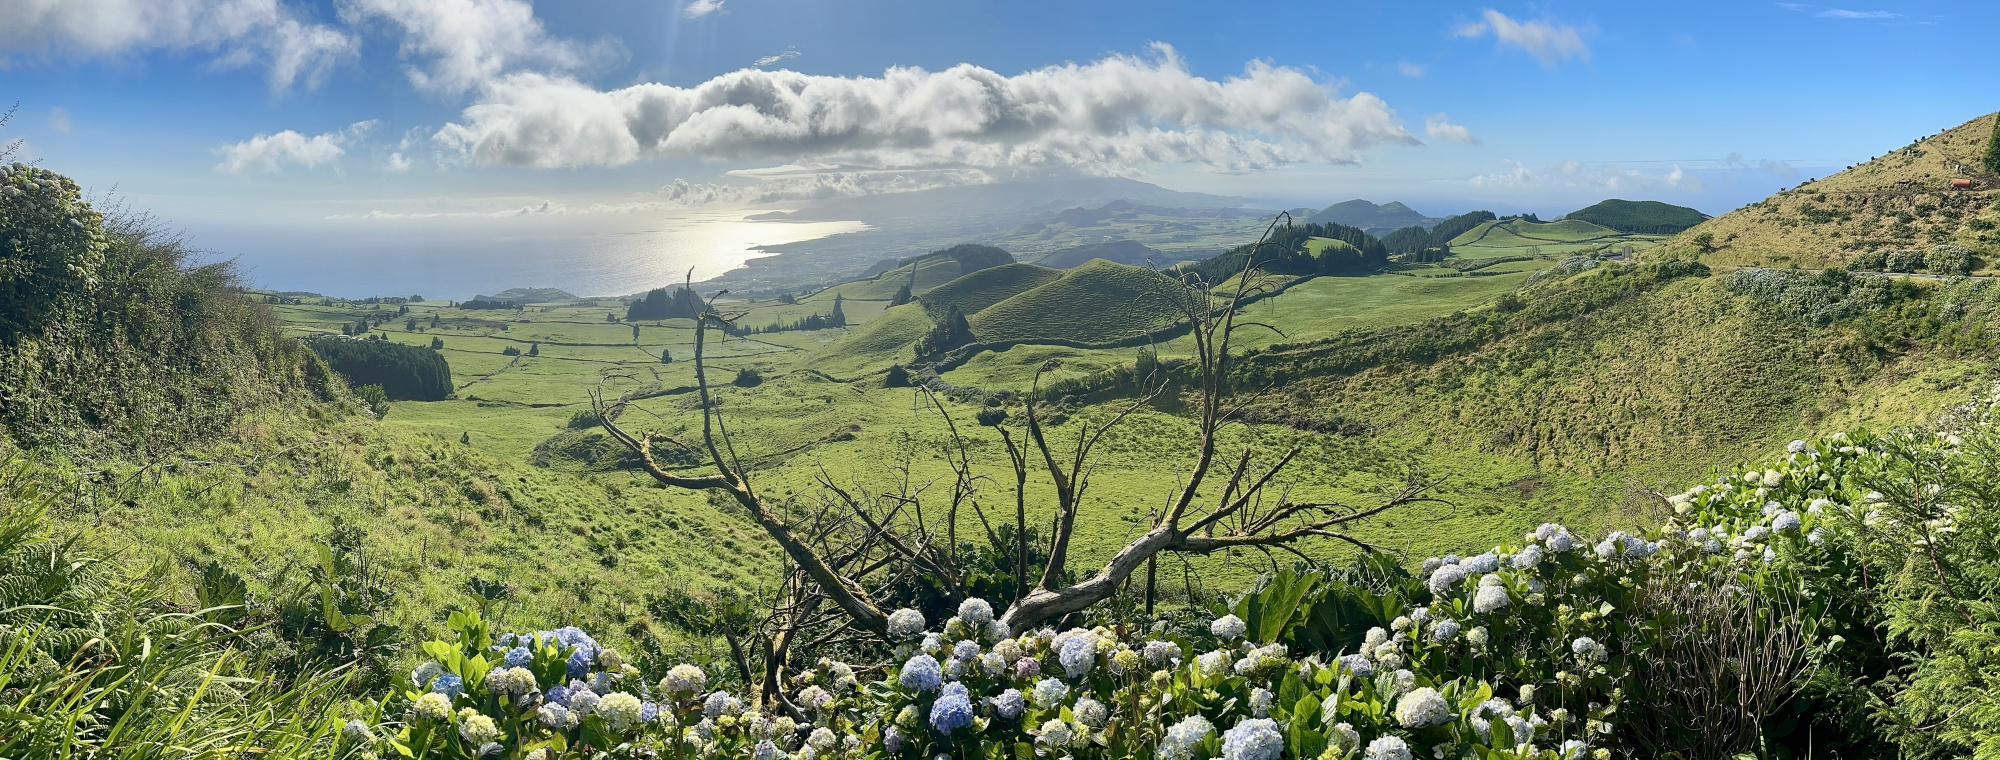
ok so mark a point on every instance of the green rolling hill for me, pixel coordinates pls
(1097, 302)
(1645, 217)
(974, 292)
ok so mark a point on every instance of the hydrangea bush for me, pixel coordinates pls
(1522, 651)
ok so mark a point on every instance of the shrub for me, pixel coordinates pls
(897, 377)
(748, 378)
(51, 244)
(376, 400)
(405, 373)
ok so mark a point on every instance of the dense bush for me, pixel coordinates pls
(115, 336)
(659, 303)
(1819, 297)
(406, 373)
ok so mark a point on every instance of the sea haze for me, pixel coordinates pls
(588, 255)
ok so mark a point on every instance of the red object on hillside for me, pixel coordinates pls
(1961, 183)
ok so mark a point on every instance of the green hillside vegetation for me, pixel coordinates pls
(1094, 303)
(1131, 252)
(920, 273)
(1899, 201)
(974, 292)
(885, 340)
(1413, 239)
(1646, 217)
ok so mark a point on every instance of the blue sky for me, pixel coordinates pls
(224, 115)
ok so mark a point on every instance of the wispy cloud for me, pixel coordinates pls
(241, 32)
(1551, 42)
(700, 8)
(1437, 127)
(59, 119)
(467, 43)
(787, 54)
(1844, 13)
(268, 153)
(1109, 116)
(1409, 69)
(1576, 174)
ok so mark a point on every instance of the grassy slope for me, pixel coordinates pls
(930, 272)
(1898, 200)
(1627, 215)
(974, 292)
(1099, 301)
(876, 345)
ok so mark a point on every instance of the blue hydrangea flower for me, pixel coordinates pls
(648, 711)
(951, 712)
(1050, 692)
(449, 685)
(1009, 704)
(1079, 655)
(1361, 666)
(579, 662)
(920, 673)
(559, 695)
(954, 688)
(1253, 739)
(965, 650)
(517, 657)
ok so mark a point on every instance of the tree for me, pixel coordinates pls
(787, 299)
(837, 318)
(1991, 158)
(435, 320)
(659, 303)
(666, 356)
(902, 296)
(437, 343)
(635, 333)
(535, 348)
(897, 377)
(847, 545)
(411, 325)
(948, 333)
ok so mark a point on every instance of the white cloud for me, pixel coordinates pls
(1551, 42)
(471, 42)
(1437, 127)
(266, 153)
(58, 119)
(1107, 116)
(776, 57)
(1597, 177)
(700, 8)
(1409, 69)
(1843, 13)
(243, 32)
(397, 163)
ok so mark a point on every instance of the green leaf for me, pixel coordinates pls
(1291, 689)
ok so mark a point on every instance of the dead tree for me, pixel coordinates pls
(844, 540)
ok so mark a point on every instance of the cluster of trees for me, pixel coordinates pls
(1287, 251)
(1440, 235)
(406, 373)
(836, 318)
(488, 304)
(1940, 259)
(1641, 217)
(534, 349)
(661, 303)
(946, 334)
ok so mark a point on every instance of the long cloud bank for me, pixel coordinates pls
(1102, 116)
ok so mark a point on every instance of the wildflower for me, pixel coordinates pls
(1253, 739)
(920, 673)
(1444, 630)
(1227, 628)
(1162, 653)
(356, 732)
(684, 679)
(1387, 748)
(1489, 599)
(449, 684)
(1214, 663)
(1785, 522)
(905, 623)
(951, 712)
(1260, 702)
(1182, 739)
(1008, 705)
(1055, 733)
(975, 611)
(1422, 707)
(1050, 692)
(1079, 654)
(477, 729)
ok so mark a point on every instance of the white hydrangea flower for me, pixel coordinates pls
(1091, 712)
(432, 706)
(1050, 692)
(1228, 628)
(1260, 702)
(619, 710)
(1795, 447)
(1785, 522)
(1343, 737)
(1422, 707)
(1055, 733)
(1387, 748)
(975, 611)
(1253, 739)
(1489, 599)
(1182, 739)
(1214, 663)
(906, 623)
(1375, 637)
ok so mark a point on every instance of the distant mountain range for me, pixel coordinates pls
(1128, 252)
(1375, 220)
(1008, 198)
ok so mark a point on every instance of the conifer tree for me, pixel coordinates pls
(837, 318)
